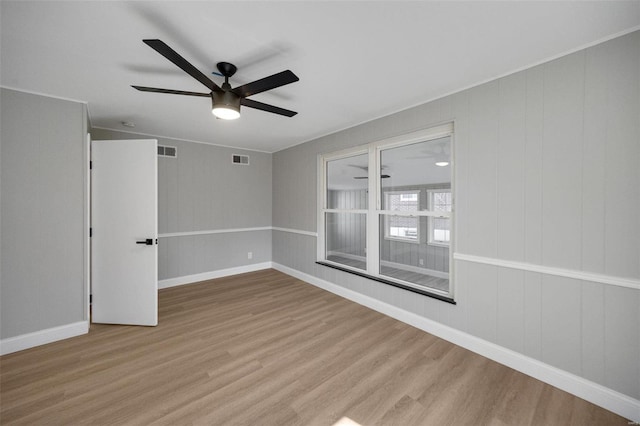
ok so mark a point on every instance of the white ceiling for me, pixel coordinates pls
(356, 60)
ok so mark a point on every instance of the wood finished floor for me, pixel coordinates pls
(266, 349)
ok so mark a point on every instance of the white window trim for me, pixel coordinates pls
(375, 202)
(430, 240)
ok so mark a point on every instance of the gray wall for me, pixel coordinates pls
(201, 190)
(546, 172)
(42, 204)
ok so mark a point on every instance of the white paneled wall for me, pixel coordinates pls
(547, 176)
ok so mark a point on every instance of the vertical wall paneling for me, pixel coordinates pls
(510, 155)
(187, 192)
(186, 251)
(201, 185)
(622, 339)
(163, 255)
(561, 333)
(533, 164)
(169, 175)
(455, 316)
(482, 192)
(483, 301)
(510, 321)
(562, 171)
(594, 158)
(622, 178)
(546, 174)
(593, 331)
(532, 312)
(163, 194)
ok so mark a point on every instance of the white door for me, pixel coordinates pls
(124, 250)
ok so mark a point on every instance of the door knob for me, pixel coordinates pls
(148, 241)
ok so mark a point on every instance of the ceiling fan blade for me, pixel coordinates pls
(267, 83)
(162, 48)
(367, 177)
(172, 92)
(266, 107)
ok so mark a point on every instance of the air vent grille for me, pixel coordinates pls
(167, 151)
(240, 159)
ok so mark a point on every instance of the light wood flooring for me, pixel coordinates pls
(266, 349)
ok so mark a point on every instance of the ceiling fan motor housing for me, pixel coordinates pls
(227, 99)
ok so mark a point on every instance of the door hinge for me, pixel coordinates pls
(90, 232)
(90, 165)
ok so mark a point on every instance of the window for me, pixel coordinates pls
(439, 227)
(386, 211)
(402, 228)
(344, 218)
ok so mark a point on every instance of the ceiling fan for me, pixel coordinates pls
(437, 152)
(366, 169)
(226, 101)
(367, 177)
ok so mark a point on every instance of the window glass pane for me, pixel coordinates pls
(439, 228)
(410, 170)
(346, 239)
(441, 201)
(441, 231)
(402, 227)
(415, 262)
(347, 182)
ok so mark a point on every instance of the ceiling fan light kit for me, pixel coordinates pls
(226, 105)
(225, 100)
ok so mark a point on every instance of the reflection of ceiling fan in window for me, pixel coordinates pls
(366, 169)
(438, 152)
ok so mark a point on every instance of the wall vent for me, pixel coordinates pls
(240, 159)
(167, 151)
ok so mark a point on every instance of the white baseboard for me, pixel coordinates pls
(602, 396)
(37, 338)
(189, 279)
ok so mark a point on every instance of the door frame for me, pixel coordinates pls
(87, 230)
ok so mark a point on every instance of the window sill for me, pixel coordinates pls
(402, 240)
(438, 244)
(389, 282)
